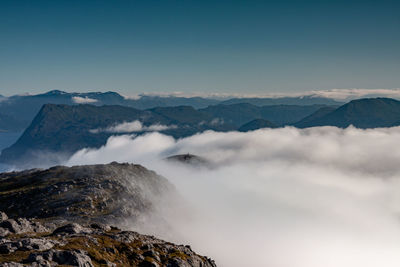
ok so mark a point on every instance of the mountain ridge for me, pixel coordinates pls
(255, 125)
(361, 113)
(22, 108)
(60, 130)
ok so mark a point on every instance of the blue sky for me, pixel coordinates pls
(198, 46)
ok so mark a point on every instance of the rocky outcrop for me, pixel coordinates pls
(70, 210)
(106, 193)
(72, 244)
(190, 159)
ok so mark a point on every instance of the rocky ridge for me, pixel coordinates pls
(190, 159)
(70, 210)
(104, 193)
(29, 242)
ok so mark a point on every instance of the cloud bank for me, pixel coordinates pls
(344, 94)
(83, 100)
(279, 197)
(353, 93)
(134, 126)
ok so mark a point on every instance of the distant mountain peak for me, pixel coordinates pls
(55, 92)
(361, 113)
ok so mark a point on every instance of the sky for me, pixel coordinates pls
(198, 46)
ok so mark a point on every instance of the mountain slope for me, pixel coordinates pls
(182, 114)
(65, 129)
(60, 130)
(239, 114)
(315, 116)
(362, 113)
(282, 115)
(22, 108)
(256, 124)
(235, 114)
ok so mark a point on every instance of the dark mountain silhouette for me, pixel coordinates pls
(316, 115)
(361, 113)
(282, 115)
(64, 129)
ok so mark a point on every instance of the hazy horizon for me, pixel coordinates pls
(336, 94)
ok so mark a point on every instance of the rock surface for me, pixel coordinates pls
(92, 245)
(190, 159)
(70, 209)
(93, 193)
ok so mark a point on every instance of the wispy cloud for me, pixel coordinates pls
(134, 126)
(83, 100)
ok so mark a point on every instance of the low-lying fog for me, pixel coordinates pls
(279, 197)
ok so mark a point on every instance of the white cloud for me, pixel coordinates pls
(217, 121)
(134, 126)
(279, 197)
(132, 97)
(83, 100)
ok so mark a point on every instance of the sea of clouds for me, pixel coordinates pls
(278, 197)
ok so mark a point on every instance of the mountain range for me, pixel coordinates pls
(59, 130)
(361, 113)
(301, 100)
(16, 112)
